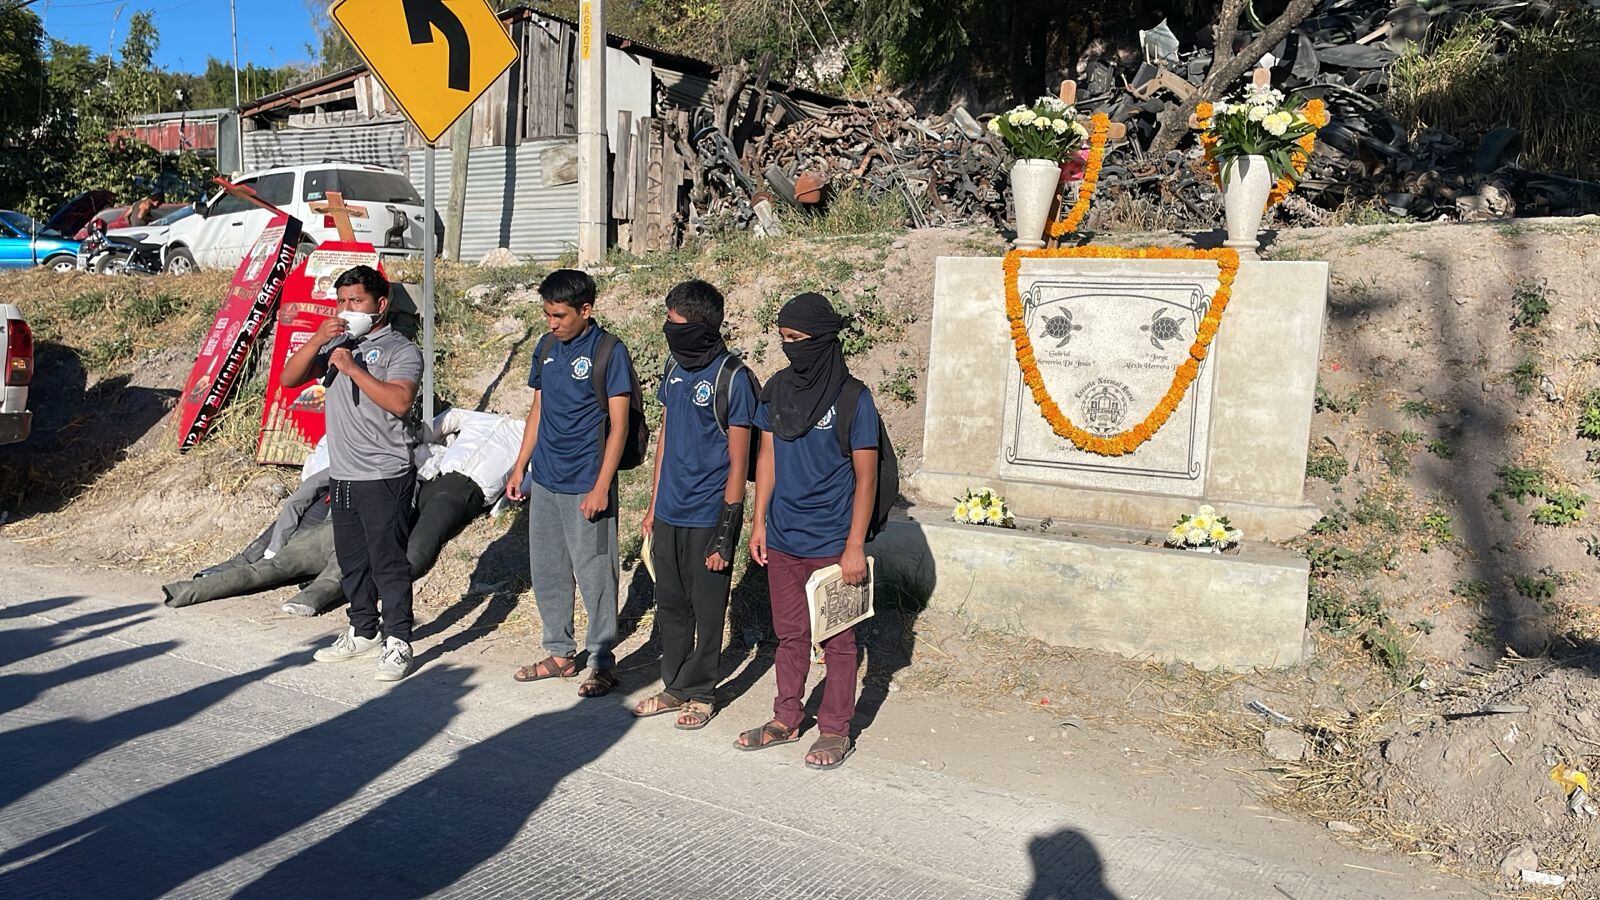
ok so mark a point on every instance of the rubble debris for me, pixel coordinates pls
(1284, 745)
(947, 169)
(1518, 858)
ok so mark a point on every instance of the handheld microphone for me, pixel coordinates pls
(332, 373)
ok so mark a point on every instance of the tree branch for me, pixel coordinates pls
(1225, 70)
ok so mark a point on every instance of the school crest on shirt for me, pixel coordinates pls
(826, 424)
(580, 367)
(372, 356)
(702, 393)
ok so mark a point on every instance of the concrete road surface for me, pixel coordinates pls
(201, 753)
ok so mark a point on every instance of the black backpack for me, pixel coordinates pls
(731, 366)
(888, 467)
(638, 437)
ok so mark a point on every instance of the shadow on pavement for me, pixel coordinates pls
(1066, 866)
(429, 835)
(154, 842)
(37, 755)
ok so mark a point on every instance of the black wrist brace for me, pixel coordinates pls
(725, 538)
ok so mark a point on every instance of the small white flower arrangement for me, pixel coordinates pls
(1048, 129)
(983, 507)
(1258, 122)
(1205, 530)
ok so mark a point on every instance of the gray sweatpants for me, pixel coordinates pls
(565, 548)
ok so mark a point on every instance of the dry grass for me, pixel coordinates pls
(1543, 81)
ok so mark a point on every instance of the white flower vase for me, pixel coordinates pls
(1246, 184)
(1034, 183)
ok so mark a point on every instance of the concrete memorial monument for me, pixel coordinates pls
(1110, 341)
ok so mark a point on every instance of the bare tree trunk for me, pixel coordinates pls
(1227, 67)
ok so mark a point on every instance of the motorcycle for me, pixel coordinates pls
(111, 254)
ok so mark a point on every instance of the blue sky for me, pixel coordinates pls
(270, 31)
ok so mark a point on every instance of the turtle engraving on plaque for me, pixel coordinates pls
(1108, 348)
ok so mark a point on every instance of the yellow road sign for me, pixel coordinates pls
(434, 56)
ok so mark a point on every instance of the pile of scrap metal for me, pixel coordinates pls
(944, 169)
(949, 169)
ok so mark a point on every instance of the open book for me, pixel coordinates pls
(835, 605)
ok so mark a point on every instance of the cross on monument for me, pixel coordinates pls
(335, 208)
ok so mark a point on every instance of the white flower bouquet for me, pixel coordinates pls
(1048, 129)
(1205, 530)
(983, 507)
(1258, 122)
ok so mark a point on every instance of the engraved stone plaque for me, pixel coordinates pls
(1108, 347)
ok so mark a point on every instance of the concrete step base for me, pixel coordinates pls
(1105, 589)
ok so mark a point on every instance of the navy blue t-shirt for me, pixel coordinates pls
(694, 461)
(566, 458)
(809, 515)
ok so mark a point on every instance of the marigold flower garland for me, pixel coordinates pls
(1315, 112)
(1099, 129)
(1127, 441)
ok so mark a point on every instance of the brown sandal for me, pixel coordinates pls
(546, 668)
(695, 715)
(657, 704)
(769, 735)
(598, 684)
(836, 744)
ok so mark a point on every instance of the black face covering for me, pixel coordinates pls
(802, 393)
(694, 345)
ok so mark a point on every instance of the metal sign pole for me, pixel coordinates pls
(428, 251)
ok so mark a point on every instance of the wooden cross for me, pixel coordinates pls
(340, 212)
(246, 194)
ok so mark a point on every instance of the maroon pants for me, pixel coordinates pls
(791, 618)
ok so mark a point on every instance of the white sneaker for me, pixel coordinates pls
(299, 608)
(348, 646)
(395, 663)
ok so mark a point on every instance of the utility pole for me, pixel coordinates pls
(593, 208)
(238, 102)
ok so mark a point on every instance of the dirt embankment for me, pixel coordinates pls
(1455, 452)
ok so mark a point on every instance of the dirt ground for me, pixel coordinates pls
(1454, 571)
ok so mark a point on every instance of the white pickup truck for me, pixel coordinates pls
(17, 341)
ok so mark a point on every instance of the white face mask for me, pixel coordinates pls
(359, 322)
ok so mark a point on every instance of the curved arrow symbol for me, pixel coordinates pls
(422, 16)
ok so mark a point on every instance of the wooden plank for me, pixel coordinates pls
(621, 182)
(639, 237)
(655, 188)
(671, 178)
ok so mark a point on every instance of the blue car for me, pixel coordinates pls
(25, 242)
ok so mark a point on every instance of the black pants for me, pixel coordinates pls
(445, 506)
(371, 525)
(691, 605)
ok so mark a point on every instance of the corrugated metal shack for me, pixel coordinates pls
(521, 188)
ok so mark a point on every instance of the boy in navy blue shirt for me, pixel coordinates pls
(571, 448)
(697, 508)
(813, 508)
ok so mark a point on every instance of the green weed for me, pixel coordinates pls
(1563, 506)
(1420, 409)
(1442, 448)
(1346, 404)
(1525, 377)
(150, 310)
(1540, 589)
(901, 385)
(101, 355)
(1530, 306)
(1326, 463)
(1589, 418)
(1437, 525)
(1397, 449)
(1475, 589)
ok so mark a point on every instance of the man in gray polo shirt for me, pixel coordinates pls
(375, 372)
